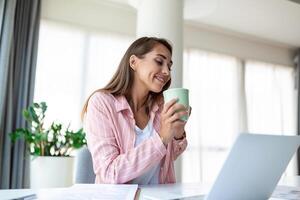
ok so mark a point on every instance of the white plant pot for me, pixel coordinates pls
(49, 172)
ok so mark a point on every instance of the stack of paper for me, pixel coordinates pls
(89, 192)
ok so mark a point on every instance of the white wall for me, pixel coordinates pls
(241, 47)
(91, 14)
(106, 16)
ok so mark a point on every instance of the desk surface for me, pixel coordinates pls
(188, 188)
(195, 189)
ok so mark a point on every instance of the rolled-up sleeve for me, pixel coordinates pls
(109, 164)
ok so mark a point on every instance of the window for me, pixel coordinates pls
(229, 98)
(72, 62)
(271, 98)
(271, 101)
(214, 84)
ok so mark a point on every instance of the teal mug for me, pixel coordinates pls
(183, 97)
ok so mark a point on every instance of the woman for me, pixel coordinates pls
(132, 136)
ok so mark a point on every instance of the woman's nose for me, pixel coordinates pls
(166, 70)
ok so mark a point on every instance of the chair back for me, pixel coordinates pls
(84, 172)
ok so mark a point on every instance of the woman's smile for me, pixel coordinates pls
(161, 79)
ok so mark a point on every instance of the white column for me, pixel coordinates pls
(164, 18)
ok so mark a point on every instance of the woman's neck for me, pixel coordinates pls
(137, 102)
(137, 97)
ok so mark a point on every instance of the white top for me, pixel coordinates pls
(152, 175)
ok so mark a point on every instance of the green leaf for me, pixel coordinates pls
(37, 151)
(26, 115)
(43, 105)
(36, 105)
(33, 114)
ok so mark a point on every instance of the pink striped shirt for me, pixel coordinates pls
(110, 131)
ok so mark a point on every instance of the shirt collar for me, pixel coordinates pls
(122, 104)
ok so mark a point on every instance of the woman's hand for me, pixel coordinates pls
(180, 135)
(171, 124)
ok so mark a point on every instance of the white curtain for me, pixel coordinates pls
(271, 101)
(104, 55)
(271, 98)
(214, 82)
(229, 97)
(73, 62)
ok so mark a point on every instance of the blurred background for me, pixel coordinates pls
(238, 59)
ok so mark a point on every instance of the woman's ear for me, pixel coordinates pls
(132, 62)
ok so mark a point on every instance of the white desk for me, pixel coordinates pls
(195, 189)
(146, 190)
(172, 191)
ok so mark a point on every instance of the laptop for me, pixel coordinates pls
(252, 169)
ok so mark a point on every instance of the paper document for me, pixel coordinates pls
(90, 192)
(286, 192)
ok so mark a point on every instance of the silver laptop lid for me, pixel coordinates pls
(253, 167)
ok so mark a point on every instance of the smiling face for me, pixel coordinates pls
(152, 71)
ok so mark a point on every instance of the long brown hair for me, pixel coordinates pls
(122, 80)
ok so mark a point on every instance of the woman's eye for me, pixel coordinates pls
(159, 62)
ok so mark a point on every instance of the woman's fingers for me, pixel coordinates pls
(177, 116)
(168, 105)
(175, 108)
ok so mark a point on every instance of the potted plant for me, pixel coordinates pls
(50, 148)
